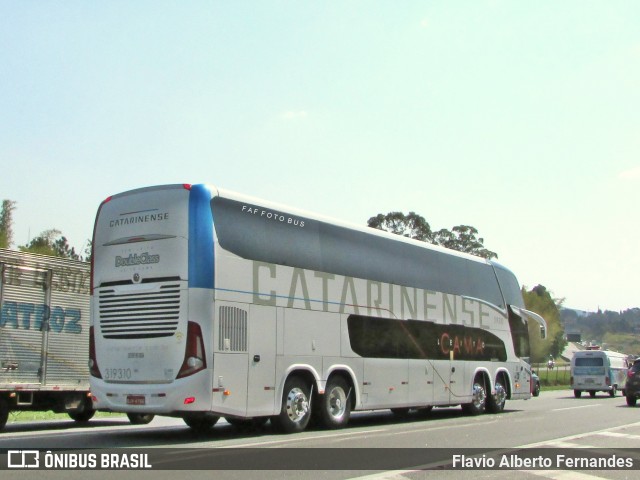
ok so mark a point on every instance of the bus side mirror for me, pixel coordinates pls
(529, 315)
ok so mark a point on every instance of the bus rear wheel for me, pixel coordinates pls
(295, 411)
(496, 402)
(577, 393)
(335, 404)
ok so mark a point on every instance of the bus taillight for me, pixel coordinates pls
(93, 363)
(194, 357)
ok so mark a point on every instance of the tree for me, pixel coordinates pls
(51, 242)
(6, 223)
(462, 237)
(411, 225)
(539, 300)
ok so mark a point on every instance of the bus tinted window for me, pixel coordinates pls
(509, 286)
(374, 337)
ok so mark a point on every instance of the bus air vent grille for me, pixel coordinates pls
(140, 315)
(232, 335)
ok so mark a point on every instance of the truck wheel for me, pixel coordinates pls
(295, 411)
(140, 418)
(335, 404)
(83, 414)
(4, 413)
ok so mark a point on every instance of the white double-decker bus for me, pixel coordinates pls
(207, 303)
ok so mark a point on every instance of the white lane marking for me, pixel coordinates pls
(562, 474)
(620, 435)
(298, 439)
(576, 408)
(579, 435)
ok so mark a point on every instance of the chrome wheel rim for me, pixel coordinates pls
(297, 404)
(337, 402)
(479, 396)
(501, 395)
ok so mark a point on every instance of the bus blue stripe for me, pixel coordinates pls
(200, 238)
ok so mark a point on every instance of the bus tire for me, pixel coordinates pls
(4, 413)
(201, 423)
(295, 411)
(140, 418)
(479, 402)
(335, 404)
(496, 402)
(577, 393)
(612, 392)
(592, 393)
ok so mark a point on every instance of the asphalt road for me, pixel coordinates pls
(554, 420)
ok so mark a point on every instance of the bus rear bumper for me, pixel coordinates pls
(192, 394)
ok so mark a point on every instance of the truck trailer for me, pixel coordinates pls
(44, 335)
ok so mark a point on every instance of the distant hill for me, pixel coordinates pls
(617, 330)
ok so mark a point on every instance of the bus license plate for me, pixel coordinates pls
(136, 400)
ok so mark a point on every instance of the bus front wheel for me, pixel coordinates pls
(335, 404)
(295, 411)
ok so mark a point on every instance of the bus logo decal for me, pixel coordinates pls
(135, 259)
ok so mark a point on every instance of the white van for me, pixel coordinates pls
(598, 371)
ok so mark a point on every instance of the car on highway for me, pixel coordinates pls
(535, 384)
(632, 390)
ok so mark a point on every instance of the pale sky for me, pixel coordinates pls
(519, 118)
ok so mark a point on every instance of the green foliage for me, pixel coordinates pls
(6, 223)
(461, 238)
(539, 300)
(620, 331)
(51, 242)
(411, 225)
(628, 343)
